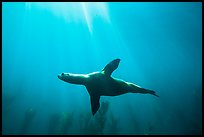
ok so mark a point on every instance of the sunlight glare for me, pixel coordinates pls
(76, 11)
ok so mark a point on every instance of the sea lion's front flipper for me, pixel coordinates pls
(110, 67)
(94, 103)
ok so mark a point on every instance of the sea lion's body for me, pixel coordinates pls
(102, 84)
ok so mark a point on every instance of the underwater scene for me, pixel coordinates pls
(102, 68)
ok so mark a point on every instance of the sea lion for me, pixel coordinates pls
(102, 84)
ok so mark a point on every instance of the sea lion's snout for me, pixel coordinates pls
(58, 75)
(62, 75)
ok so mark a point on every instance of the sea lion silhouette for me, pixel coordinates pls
(102, 84)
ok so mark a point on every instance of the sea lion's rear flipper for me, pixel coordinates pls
(110, 67)
(94, 103)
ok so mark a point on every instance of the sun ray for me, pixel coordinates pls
(75, 11)
(85, 11)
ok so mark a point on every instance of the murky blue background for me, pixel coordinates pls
(160, 47)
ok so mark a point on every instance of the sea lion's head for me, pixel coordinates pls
(65, 76)
(72, 78)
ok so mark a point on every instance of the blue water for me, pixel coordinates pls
(160, 47)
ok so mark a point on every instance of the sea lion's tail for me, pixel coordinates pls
(153, 93)
(137, 89)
